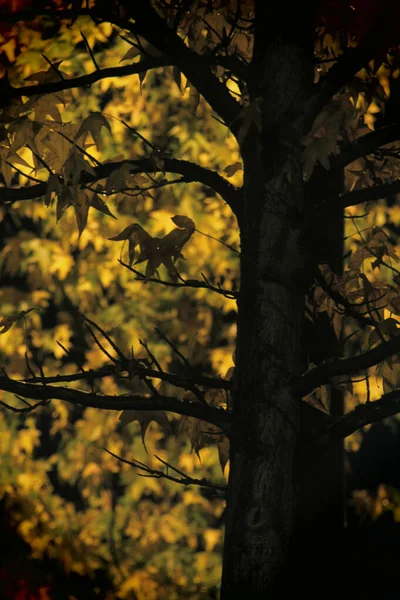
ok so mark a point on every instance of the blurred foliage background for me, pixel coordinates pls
(70, 500)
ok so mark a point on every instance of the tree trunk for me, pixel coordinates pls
(261, 503)
(319, 549)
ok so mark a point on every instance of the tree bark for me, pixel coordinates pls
(261, 502)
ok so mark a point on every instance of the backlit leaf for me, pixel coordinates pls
(93, 124)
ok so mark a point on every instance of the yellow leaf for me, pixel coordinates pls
(212, 537)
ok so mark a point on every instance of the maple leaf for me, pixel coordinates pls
(99, 204)
(144, 418)
(74, 166)
(80, 199)
(157, 251)
(81, 204)
(65, 200)
(136, 235)
(8, 322)
(93, 124)
(52, 74)
(223, 452)
(249, 115)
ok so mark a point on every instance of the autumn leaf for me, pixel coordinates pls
(65, 200)
(133, 52)
(144, 418)
(223, 452)
(81, 206)
(230, 170)
(183, 222)
(53, 186)
(49, 76)
(99, 204)
(116, 181)
(158, 251)
(384, 329)
(250, 115)
(93, 124)
(74, 166)
(136, 235)
(8, 322)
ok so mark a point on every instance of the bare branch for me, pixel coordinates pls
(332, 368)
(192, 283)
(217, 416)
(364, 414)
(89, 376)
(190, 171)
(25, 409)
(184, 381)
(220, 489)
(86, 80)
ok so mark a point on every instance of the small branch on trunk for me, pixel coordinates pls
(369, 194)
(324, 373)
(366, 145)
(364, 414)
(345, 68)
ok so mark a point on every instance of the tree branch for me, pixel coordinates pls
(190, 171)
(375, 192)
(40, 89)
(326, 371)
(347, 65)
(210, 414)
(220, 489)
(342, 301)
(366, 145)
(181, 380)
(364, 414)
(193, 283)
(152, 27)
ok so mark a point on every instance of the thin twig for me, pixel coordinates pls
(193, 283)
(53, 67)
(114, 360)
(108, 338)
(88, 48)
(151, 355)
(184, 480)
(173, 347)
(29, 408)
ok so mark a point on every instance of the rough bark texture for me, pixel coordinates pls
(261, 506)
